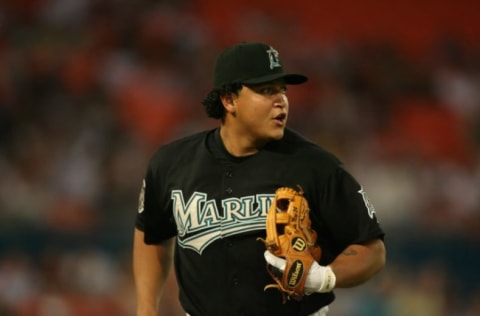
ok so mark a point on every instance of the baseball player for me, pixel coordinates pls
(205, 198)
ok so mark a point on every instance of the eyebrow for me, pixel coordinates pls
(267, 84)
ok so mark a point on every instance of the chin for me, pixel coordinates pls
(277, 135)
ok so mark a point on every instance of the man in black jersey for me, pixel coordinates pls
(205, 198)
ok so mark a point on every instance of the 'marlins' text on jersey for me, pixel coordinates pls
(199, 222)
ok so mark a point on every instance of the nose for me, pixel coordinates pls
(280, 100)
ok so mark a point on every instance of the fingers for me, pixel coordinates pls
(275, 261)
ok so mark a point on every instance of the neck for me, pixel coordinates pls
(239, 144)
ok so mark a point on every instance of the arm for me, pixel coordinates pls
(354, 266)
(358, 263)
(151, 264)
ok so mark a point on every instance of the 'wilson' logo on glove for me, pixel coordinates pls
(295, 274)
(299, 244)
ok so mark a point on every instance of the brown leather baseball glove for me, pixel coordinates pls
(289, 236)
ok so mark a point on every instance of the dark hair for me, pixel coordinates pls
(212, 102)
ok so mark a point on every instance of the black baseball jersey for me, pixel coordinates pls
(216, 206)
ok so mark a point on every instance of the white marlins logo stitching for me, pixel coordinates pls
(273, 57)
(368, 204)
(199, 222)
(141, 198)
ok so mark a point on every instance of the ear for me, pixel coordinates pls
(229, 103)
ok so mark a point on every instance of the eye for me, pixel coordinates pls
(271, 90)
(267, 90)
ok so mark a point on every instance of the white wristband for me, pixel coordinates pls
(329, 280)
(320, 279)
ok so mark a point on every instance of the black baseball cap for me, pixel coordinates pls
(251, 63)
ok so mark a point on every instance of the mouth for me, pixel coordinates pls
(281, 118)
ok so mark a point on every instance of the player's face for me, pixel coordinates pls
(262, 110)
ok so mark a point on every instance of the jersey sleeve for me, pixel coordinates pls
(154, 216)
(349, 216)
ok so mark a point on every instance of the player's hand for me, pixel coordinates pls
(320, 279)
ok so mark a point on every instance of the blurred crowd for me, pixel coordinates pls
(89, 89)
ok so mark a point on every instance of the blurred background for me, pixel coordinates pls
(89, 89)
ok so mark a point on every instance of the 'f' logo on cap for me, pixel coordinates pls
(273, 56)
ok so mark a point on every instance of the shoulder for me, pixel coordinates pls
(186, 142)
(180, 149)
(303, 148)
